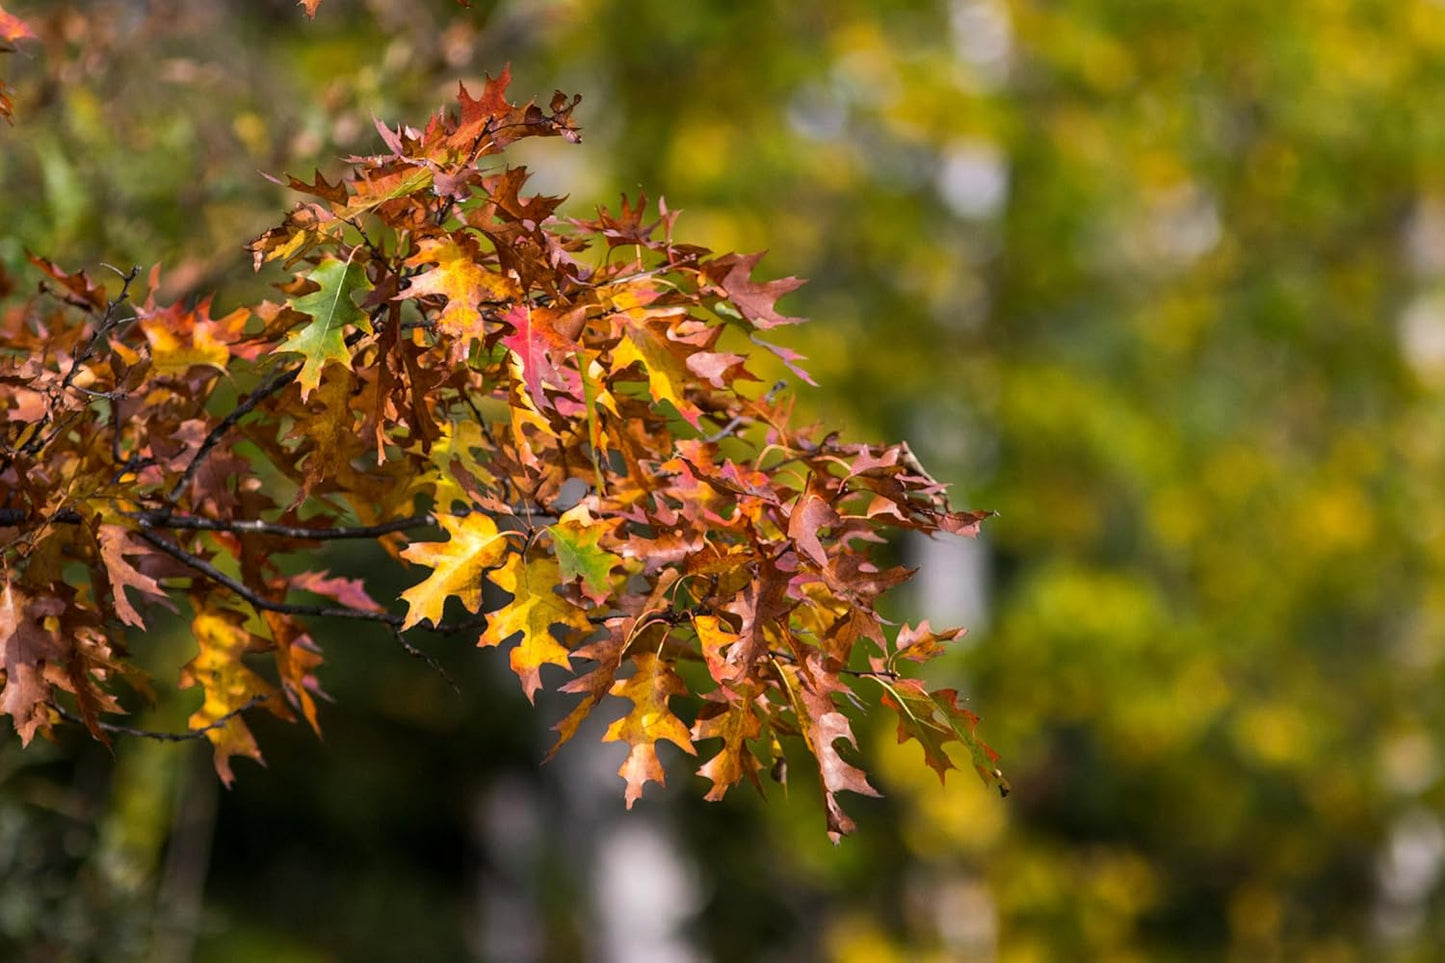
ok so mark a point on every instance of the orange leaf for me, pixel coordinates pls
(735, 722)
(651, 719)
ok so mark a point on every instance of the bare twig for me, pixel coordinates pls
(258, 527)
(274, 382)
(844, 670)
(428, 658)
(738, 420)
(199, 564)
(186, 736)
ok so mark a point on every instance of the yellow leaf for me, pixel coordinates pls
(228, 685)
(534, 609)
(457, 565)
(180, 337)
(463, 281)
(665, 363)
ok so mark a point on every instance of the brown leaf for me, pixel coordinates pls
(810, 515)
(823, 726)
(114, 546)
(607, 653)
(922, 643)
(757, 302)
(25, 649)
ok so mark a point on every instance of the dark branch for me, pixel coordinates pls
(19, 516)
(186, 736)
(273, 383)
(257, 527)
(426, 657)
(261, 602)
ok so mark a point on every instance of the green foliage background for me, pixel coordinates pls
(1158, 280)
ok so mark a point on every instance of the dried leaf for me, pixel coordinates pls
(114, 545)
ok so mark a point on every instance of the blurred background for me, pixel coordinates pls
(1161, 281)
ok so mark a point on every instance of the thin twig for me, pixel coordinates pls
(19, 516)
(273, 383)
(108, 322)
(844, 670)
(737, 420)
(258, 527)
(260, 601)
(428, 658)
(287, 608)
(186, 736)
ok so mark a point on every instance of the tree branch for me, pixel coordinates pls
(258, 527)
(186, 736)
(428, 658)
(273, 383)
(261, 602)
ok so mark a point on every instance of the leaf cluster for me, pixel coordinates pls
(568, 401)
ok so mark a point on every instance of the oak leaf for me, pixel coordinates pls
(331, 307)
(665, 363)
(812, 690)
(734, 722)
(607, 653)
(922, 644)
(474, 546)
(756, 301)
(180, 338)
(228, 685)
(539, 339)
(935, 719)
(534, 609)
(114, 546)
(26, 646)
(809, 516)
(464, 281)
(575, 539)
(651, 719)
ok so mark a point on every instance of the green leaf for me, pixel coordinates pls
(332, 308)
(575, 537)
